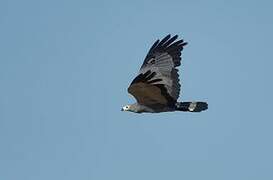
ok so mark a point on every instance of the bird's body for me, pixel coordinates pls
(138, 108)
(157, 87)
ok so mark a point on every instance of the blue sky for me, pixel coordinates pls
(64, 71)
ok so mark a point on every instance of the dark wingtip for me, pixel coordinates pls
(168, 36)
(185, 43)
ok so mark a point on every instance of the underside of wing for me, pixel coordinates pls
(147, 94)
(149, 91)
(162, 59)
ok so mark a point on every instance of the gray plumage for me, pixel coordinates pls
(156, 88)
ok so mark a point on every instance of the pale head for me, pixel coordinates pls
(126, 108)
(131, 108)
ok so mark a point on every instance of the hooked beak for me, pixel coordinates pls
(122, 109)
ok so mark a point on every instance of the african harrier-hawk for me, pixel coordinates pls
(157, 88)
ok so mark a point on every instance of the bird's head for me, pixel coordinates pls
(126, 108)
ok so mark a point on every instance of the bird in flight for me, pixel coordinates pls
(156, 88)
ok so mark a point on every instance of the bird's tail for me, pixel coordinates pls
(191, 106)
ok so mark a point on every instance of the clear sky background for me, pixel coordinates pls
(64, 71)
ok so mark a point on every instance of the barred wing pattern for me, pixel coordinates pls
(158, 79)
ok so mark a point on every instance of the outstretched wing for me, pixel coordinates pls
(158, 79)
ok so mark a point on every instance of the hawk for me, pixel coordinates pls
(156, 88)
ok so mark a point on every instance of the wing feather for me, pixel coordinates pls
(158, 79)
